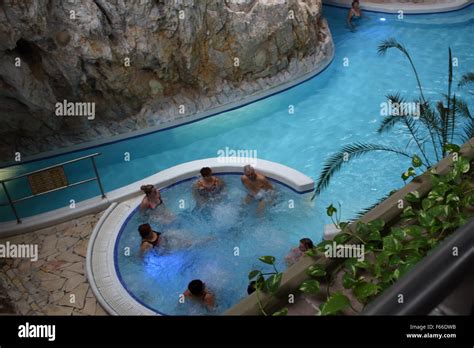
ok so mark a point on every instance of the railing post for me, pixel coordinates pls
(98, 178)
(12, 205)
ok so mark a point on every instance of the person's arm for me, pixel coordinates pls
(145, 247)
(209, 300)
(349, 19)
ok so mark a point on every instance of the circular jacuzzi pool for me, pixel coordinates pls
(218, 242)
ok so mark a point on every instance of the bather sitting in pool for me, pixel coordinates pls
(208, 186)
(296, 253)
(258, 187)
(354, 14)
(150, 238)
(152, 202)
(197, 290)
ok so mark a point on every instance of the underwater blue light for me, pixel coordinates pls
(383, 19)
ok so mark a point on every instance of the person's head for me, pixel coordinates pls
(305, 244)
(196, 287)
(206, 172)
(150, 190)
(355, 4)
(249, 172)
(145, 230)
(251, 287)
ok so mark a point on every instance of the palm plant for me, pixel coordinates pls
(436, 126)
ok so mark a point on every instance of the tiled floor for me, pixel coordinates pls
(55, 284)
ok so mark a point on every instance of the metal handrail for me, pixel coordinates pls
(12, 202)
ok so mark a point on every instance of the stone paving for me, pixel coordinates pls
(56, 283)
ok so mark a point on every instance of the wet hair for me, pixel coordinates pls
(354, 2)
(206, 171)
(308, 243)
(196, 287)
(251, 288)
(147, 189)
(144, 230)
(249, 168)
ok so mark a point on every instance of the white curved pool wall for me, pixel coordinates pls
(406, 7)
(100, 263)
(288, 176)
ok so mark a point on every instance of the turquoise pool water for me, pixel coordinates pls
(339, 106)
(218, 243)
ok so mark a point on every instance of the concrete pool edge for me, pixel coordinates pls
(387, 210)
(407, 8)
(100, 261)
(164, 178)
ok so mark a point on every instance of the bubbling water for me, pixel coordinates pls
(218, 242)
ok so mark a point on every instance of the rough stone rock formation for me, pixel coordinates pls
(138, 60)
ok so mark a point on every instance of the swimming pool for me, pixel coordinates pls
(219, 243)
(339, 106)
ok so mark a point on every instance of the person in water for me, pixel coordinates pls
(150, 238)
(258, 186)
(197, 290)
(354, 14)
(295, 254)
(152, 204)
(207, 186)
(152, 197)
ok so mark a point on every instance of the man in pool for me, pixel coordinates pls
(197, 290)
(207, 187)
(258, 187)
(295, 254)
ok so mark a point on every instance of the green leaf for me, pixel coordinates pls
(341, 238)
(425, 219)
(310, 286)
(365, 290)
(375, 235)
(452, 198)
(312, 252)
(334, 304)
(408, 212)
(331, 210)
(427, 203)
(348, 281)
(281, 312)
(413, 197)
(398, 233)
(376, 225)
(316, 271)
(451, 148)
(462, 164)
(267, 259)
(414, 231)
(410, 172)
(253, 274)
(391, 244)
(273, 282)
(416, 161)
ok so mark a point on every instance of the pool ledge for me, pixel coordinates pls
(285, 175)
(100, 262)
(407, 8)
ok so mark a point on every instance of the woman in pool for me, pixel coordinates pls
(208, 186)
(150, 238)
(197, 290)
(153, 203)
(354, 14)
(295, 254)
